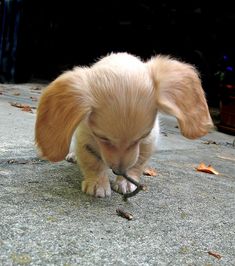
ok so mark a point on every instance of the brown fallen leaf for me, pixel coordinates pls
(207, 169)
(150, 172)
(18, 105)
(216, 255)
(25, 108)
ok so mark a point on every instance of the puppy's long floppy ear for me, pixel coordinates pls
(179, 93)
(63, 104)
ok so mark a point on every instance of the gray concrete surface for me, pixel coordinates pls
(47, 220)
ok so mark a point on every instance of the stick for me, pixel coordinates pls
(216, 255)
(133, 193)
(139, 187)
(124, 214)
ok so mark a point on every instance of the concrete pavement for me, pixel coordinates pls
(47, 220)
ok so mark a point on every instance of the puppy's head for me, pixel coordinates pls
(122, 116)
(119, 97)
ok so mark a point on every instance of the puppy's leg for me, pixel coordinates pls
(96, 181)
(71, 156)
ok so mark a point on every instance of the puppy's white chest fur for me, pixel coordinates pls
(154, 137)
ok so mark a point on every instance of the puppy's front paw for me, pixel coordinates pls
(123, 186)
(99, 188)
(71, 157)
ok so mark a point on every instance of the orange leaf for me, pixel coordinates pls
(150, 172)
(27, 108)
(207, 169)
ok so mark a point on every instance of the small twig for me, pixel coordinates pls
(124, 214)
(216, 255)
(139, 187)
(131, 180)
(137, 190)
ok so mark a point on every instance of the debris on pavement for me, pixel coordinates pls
(216, 255)
(150, 172)
(124, 214)
(207, 169)
(35, 99)
(25, 108)
(139, 187)
(208, 142)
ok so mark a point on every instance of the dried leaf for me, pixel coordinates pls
(207, 169)
(216, 255)
(150, 172)
(18, 105)
(25, 108)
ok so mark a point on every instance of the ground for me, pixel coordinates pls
(47, 220)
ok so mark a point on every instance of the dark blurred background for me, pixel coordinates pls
(40, 39)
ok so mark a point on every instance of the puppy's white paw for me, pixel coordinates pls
(71, 157)
(123, 186)
(98, 188)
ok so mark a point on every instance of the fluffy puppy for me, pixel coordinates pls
(111, 108)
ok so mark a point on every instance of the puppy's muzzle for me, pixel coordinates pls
(118, 172)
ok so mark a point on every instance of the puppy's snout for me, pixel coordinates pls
(118, 172)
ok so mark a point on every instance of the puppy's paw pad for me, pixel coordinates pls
(97, 189)
(123, 186)
(71, 157)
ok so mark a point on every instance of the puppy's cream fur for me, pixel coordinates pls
(112, 107)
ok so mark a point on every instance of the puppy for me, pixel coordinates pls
(112, 108)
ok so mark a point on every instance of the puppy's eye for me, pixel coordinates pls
(138, 140)
(105, 140)
(102, 138)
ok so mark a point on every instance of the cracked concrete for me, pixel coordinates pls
(47, 220)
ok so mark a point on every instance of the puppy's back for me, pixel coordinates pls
(123, 61)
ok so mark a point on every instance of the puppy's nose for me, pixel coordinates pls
(118, 172)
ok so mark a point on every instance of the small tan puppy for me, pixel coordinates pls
(112, 109)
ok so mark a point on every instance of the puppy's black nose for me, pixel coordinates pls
(118, 172)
